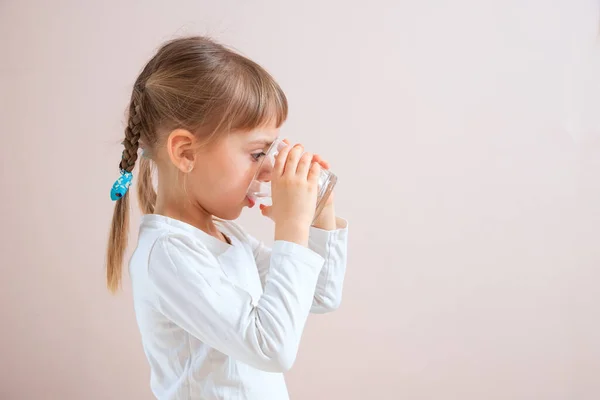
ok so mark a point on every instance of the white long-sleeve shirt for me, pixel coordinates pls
(224, 321)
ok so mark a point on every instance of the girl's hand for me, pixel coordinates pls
(327, 218)
(294, 189)
(324, 165)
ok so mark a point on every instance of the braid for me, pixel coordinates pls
(117, 242)
(132, 137)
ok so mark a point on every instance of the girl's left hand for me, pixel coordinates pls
(324, 165)
(326, 219)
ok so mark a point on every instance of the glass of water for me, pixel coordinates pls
(260, 187)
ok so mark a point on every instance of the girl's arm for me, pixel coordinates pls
(193, 291)
(332, 245)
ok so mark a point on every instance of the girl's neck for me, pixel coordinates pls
(190, 214)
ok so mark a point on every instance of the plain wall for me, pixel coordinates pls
(466, 138)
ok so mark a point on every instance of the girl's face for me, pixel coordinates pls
(223, 171)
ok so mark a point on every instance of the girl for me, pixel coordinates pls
(220, 314)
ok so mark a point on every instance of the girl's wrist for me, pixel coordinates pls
(326, 219)
(292, 232)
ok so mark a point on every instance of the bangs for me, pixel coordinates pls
(252, 99)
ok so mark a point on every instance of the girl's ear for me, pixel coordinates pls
(180, 147)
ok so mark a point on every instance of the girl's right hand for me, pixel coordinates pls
(294, 189)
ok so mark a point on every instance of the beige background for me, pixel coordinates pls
(467, 140)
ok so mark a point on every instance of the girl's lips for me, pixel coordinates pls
(252, 202)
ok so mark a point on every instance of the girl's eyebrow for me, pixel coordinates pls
(265, 142)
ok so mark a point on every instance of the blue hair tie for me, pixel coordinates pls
(121, 185)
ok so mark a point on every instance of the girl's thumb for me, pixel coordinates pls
(266, 210)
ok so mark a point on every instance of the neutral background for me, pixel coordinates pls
(467, 141)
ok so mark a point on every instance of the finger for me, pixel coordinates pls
(304, 165)
(320, 160)
(266, 210)
(279, 167)
(314, 172)
(292, 160)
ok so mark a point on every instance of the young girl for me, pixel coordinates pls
(220, 314)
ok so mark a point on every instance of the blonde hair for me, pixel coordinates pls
(192, 83)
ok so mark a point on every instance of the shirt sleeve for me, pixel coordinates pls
(333, 247)
(193, 291)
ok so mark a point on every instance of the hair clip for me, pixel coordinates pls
(121, 185)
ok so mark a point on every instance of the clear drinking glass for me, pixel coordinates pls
(260, 188)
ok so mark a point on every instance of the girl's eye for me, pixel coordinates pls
(257, 156)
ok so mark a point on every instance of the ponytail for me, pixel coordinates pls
(117, 243)
(119, 230)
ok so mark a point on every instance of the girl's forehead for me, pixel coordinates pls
(262, 136)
